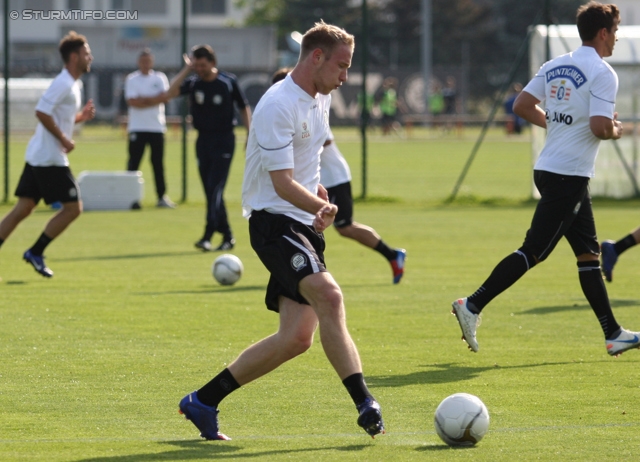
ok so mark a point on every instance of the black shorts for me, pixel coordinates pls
(290, 251)
(564, 210)
(54, 184)
(341, 196)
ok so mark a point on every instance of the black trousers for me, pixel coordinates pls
(215, 152)
(137, 143)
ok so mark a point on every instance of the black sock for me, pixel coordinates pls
(1, 242)
(504, 275)
(385, 250)
(624, 243)
(596, 293)
(357, 388)
(217, 389)
(42, 242)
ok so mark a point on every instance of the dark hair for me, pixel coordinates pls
(71, 43)
(325, 37)
(280, 74)
(204, 51)
(594, 17)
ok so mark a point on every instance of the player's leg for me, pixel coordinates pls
(28, 194)
(205, 159)
(611, 250)
(584, 242)
(156, 142)
(553, 216)
(294, 336)
(298, 323)
(341, 196)
(58, 185)
(137, 143)
(11, 220)
(325, 296)
(136, 150)
(217, 178)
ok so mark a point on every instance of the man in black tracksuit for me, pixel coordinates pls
(212, 94)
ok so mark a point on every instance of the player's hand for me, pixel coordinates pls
(67, 145)
(88, 111)
(617, 127)
(322, 193)
(187, 61)
(324, 218)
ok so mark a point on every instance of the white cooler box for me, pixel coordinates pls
(111, 190)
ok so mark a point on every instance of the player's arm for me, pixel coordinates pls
(245, 115)
(606, 128)
(174, 87)
(526, 106)
(149, 101)
(292, 191)
(47, 122)
(88, 112)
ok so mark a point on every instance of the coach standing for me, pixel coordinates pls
(212, 94)
(46, 173)
(145, 93)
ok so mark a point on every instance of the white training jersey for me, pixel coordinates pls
(575, 87)
(288, 129)
(334, 169)
(139, 85)
(62, 102)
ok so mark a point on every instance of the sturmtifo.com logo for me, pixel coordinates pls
(67, 15)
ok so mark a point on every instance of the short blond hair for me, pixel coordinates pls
(326, 37)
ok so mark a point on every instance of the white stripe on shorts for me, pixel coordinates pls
(312, 260)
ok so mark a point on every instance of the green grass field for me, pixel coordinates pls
(95, 360)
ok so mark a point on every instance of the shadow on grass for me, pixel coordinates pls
(447, 373)
(190, 450)
(576, 307)
(130, 256)
(443, 447)
(206, 290)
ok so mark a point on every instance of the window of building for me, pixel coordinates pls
(41, 5)
(208, 6)
(141, 6)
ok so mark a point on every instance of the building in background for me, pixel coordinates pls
(116, 43)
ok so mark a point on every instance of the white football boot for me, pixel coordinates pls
(627, 340)
(468, 323)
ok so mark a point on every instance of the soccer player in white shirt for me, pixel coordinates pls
(288, 210)
(579, 90)
(46, 174)
(335, 177)
(145, 94)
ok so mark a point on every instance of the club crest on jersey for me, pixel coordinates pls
(298, 261)
(571, 73)
(305, 130)
(561, 92)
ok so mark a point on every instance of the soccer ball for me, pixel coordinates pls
(461, 420)
(227, 269)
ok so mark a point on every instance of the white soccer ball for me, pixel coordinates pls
(227, 269)
(461, 420)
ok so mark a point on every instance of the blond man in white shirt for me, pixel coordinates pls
(288, 210)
